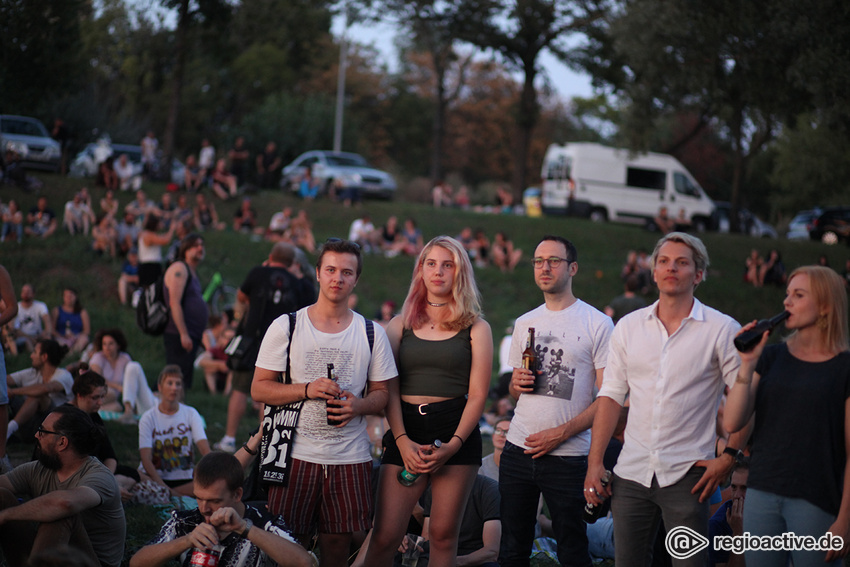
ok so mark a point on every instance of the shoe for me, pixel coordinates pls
(5, 464)
(226, 446)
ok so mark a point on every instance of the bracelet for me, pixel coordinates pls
(742, 380)
(247, 450)
(459, 437)
(400, 436)
(306, 395)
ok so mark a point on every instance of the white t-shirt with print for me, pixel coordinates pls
(315, 441)
(172, 439)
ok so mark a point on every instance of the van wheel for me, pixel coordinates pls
(829, 237)
(598, 215)
(700, 225)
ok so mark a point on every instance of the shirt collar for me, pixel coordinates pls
(697, 311)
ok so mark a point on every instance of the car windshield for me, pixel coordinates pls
(347, 161)
(22, 127)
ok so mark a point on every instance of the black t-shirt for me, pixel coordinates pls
(798, 444)
(482, 506)
(272, 291)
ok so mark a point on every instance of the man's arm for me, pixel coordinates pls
(604, 423)
(176, 278)
(717, 470)
(203, 536)
(543, 442)
(38, 389)
(279, 549)
(53, 505)
(492, 536)
(373, 403)
(266, 389)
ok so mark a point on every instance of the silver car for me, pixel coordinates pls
(28, 138)
(349, 171)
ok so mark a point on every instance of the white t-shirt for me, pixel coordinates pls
(31, 377)
(206, 158)
(360, 230)
(172, 439)
(316, 441)
(572, 344)
(29, 320)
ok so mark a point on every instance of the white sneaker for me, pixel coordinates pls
(226, 446)
(5, 464)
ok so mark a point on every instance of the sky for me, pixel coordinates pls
(567, 82)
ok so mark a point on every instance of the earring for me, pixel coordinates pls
(822, 322)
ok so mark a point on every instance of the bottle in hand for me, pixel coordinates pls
(747, 341)
(529, 355)
(591, 512)
(407, 478)
(331, 376)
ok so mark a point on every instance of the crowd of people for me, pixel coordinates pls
(651, 406)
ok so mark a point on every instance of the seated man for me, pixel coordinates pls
(41, 388)
(33, 320)
(73, 498)
(729, 519)
(127, 178)
(248, 536)
(481, 527)
(41, 220)
(78, 215)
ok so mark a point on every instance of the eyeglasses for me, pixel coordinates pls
(553, 262)
(42, 431)
(500, 432)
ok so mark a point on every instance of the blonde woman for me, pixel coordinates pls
(444, 353)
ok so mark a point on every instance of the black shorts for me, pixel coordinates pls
(439, 421)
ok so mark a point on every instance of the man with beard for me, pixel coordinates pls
(73, 499)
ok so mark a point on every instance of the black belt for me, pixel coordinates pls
(425, 409)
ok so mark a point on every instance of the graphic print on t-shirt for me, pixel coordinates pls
(556, 376)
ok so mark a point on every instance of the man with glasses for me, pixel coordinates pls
(187, 310)
(329, 488)
(549, 438)
(73, 499)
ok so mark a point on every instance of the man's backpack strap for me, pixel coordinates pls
(289, 346)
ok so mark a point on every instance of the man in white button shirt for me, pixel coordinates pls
(672, 359)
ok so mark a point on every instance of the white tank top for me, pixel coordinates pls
(149, 254)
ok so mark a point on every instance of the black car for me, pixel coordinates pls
(832, 226)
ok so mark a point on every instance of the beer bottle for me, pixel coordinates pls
(331, 376)
(529, 355)
(407, 478)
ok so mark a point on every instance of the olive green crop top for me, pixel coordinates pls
(435, 368)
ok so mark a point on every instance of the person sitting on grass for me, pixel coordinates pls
(249, 536)
(124, 377)
(167, 434)
(34, 392)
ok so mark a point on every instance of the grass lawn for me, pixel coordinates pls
(63, 260)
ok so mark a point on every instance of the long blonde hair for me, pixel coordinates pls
(828, 294)
(465, 305)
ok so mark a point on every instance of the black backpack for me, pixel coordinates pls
(152, 309)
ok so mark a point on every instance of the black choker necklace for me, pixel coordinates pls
(437, 304)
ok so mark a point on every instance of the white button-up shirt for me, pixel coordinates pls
(674, 385)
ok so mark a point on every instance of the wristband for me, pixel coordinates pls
(459, 437)
(247, 450)
(306, 395)
(400, 436)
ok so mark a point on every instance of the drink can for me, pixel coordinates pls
(205, 557)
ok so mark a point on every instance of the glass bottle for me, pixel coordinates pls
(407, 478)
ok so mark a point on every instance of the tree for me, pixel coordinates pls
(725, 61)
(40, 57)
(434, 27)
(532, 27)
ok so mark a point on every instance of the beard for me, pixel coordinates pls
(48, 461)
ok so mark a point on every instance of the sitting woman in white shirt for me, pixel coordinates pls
(125, 379)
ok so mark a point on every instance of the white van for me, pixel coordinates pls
(603, 183)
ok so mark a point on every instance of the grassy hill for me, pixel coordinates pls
(64, 260)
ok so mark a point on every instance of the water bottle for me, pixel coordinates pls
(407, 478)
(748, 340)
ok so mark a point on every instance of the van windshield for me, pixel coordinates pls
(684, 185)
(560, 168)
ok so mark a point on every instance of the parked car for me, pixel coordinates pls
(30, 140)
(832, 226)
(748, 223)
(86, 162)
(801, 224)
(348, 170)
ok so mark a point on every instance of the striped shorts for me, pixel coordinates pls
(336, 498)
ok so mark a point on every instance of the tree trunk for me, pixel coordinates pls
(438, 127)
(737, 171)
(526, 121)
(176, 89)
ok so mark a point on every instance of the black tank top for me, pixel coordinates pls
(435, 368)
